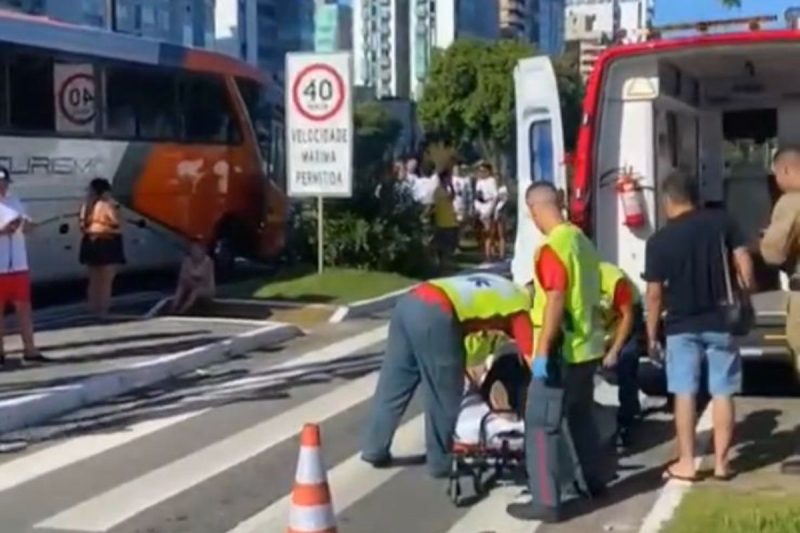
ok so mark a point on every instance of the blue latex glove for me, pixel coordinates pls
(540, 367)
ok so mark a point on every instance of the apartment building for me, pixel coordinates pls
(546, 25)
(381, 44)
(436, 24)
(591, 25)
(333, 26)
(515, 18)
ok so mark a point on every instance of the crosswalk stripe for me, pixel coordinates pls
(29, 467)
(490, 515)
(349, 481)
(107, 510)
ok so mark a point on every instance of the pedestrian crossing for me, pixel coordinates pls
(223, 461)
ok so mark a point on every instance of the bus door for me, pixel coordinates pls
(540, 151)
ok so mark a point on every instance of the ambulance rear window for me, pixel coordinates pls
(540, 144)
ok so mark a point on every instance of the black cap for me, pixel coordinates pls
(5, 175)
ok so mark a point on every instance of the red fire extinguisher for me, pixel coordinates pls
(630, 194)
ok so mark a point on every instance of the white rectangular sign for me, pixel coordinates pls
(74, 93)
(319, 124)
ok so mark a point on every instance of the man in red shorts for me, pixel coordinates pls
(15, 282)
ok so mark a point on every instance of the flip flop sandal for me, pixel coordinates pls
(670, 475)
(35, 358)
(726, 477)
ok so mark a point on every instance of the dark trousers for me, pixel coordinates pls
(425, 345)
(555, 407)
(628, 381)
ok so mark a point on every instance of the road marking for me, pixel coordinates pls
(213, 320)
(670, 496)
(349, 481)
(29, 467)
(320, 361)
(490, 515)
(107, 510)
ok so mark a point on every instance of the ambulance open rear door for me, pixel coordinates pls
(540, 151)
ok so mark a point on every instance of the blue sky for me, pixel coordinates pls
(671, 11)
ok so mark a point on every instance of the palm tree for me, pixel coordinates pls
(732, 3)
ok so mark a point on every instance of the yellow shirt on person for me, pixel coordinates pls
(444, 214)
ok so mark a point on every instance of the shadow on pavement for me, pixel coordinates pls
(197, 392)
(759, 444)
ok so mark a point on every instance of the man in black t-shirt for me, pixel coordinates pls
(686, 277)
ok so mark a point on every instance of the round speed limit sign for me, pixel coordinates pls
(318, 92)
(76, 99)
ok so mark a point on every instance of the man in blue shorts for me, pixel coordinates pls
(686, 277)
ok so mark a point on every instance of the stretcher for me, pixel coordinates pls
(488, 448)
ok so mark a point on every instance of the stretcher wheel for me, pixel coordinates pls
(478, 485)
(454, 484)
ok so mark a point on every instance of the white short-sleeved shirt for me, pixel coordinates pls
(13, 252)
(424, 188)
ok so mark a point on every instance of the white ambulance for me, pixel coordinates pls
(714, 105)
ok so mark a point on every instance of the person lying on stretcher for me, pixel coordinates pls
(496, 372)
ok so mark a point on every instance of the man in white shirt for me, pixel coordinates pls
(424, 186)
(15, 281)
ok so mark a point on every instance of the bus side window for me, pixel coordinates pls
(32, 106)
(4, 96)
(206, 112)
(540, 146)
(156, 113)
(121, 92)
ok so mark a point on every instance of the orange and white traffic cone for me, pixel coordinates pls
(311, 509)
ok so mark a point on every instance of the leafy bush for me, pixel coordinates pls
(382, 231)
(380, 227)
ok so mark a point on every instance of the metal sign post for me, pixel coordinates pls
(320, 235)
(319, 130)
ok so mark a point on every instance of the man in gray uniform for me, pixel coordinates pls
(426, 345)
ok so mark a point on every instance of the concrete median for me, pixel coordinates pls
(32, 405)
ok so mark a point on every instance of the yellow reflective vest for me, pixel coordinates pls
(582, 325)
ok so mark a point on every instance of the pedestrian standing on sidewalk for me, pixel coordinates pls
(445, 238)
(689, 275)
(624, 322)
(101, 246)
(780, 246)
(15, 281)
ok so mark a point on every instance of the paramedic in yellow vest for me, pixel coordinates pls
(568, 348)
(426, 346)
(624, 325)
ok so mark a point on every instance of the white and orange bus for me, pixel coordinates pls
(189, 139)
(710, 104)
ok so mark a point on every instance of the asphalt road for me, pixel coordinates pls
(216, 451)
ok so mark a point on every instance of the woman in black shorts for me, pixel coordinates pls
(101, 246)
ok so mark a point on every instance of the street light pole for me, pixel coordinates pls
(111, 15)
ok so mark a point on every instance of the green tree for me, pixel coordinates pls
(376, 133)
(571, 91)
(452, 81)
(732, 3)
(491, 113)
(469, 96)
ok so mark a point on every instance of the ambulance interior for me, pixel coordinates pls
(716, 112)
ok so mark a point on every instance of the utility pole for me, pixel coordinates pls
(111, 15)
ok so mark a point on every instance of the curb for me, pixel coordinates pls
(61, 312)
(385, 302)
(30, 409)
